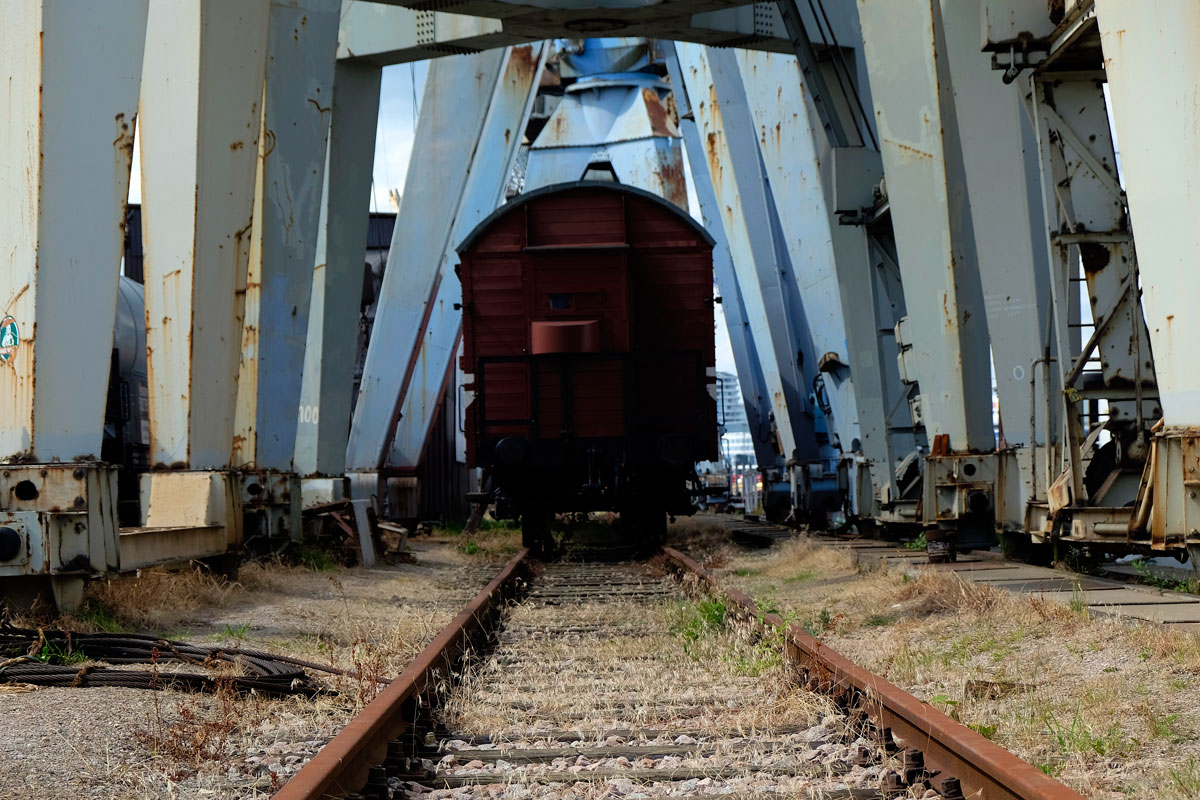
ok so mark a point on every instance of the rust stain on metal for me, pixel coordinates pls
(673, 110)
(525, 61)
(911, 151)
(674, 182)
(715, 168)
(124, 141)
(660, 120)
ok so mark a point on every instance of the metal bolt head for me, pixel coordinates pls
(951, 789)
(891, 781)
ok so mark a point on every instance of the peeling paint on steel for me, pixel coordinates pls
(63, 162)
(201, 92)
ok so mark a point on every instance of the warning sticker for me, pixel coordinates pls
(10, 337)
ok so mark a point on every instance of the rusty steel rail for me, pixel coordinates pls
(985, 770)
(340, 768)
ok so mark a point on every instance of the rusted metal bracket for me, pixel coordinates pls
(950, 750)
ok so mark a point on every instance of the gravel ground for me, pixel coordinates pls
(100, 743)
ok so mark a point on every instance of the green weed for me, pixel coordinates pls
(1077, 737)
(805, 575)
(1078, 602)
(746, 572)
(763, 656)
(100, 617)
(1164, 727)
(705, 617)
(918, 543)
(237, 631)
(316, 558)
(57, 654)
(821, 623)
(879, 621)
(1191, 586)
(1187, 778)
(986, 731)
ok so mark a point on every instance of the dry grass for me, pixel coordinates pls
(174, 744)
(157, 599)
(1104, 705)
(702, 538)
(494, 541)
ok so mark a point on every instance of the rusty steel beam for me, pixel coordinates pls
(340, 768)
(199, 119)
(986, 770)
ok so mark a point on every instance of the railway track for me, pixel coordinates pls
(606, 681)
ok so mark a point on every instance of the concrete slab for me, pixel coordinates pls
(964, 565)
(1065, 586)
(1180, 573)
(1156, 612)
(1116, 596)
(1011, 573)
(893, 559)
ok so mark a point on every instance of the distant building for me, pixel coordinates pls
(737, 446)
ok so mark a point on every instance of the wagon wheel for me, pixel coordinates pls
(535, 532)
(646, 529)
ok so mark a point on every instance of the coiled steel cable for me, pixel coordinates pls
(28, 654)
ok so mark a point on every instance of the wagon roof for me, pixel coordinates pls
(516, 202)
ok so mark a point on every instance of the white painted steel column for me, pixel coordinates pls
(71, 74)
(457, 97)
(868, 286)
(301, 52)
(200, 118)
(341, 245)
(906, 51)
(1003, 180)
(745, 358)
(1153, 66)
(774, 92)
(490, 167)
(731, 149)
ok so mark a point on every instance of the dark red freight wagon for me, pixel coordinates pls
(589, 353)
